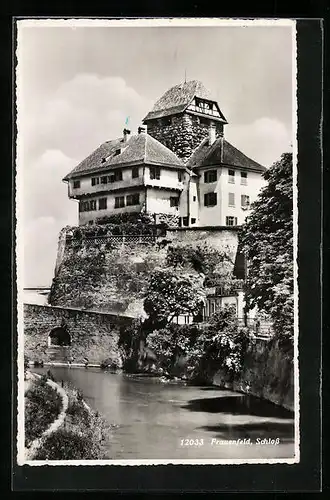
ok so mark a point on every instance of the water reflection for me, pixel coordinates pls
(153, 418)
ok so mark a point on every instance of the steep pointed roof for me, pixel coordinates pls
(139, 149)
(206, 155)
(177, 99)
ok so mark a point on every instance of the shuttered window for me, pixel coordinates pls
(231, 199)
(210, 199)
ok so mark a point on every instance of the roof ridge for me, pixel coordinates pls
(241, 152)
(145, 148)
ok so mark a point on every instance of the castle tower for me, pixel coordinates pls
(183, 117)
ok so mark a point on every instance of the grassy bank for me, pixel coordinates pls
(42, 406)
(84, 435)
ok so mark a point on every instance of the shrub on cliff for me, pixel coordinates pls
(267, 239)
(202, 258)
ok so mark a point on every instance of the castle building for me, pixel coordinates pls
(181, 166)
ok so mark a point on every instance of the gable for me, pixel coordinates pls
(224, 153)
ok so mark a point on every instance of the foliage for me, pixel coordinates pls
(78, 412)
(222, 343)
(132, 218)
(227, 341)
(66, 444)
(83, 435)
(129, 341)
(169, 294)
(203, 258)
(172, 341)
(42, 406)
(110, 364)
(267, 239)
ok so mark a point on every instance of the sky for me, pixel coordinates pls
(77, 85)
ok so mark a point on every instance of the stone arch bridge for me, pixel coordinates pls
(58, 334)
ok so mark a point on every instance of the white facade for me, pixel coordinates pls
(217, 195)
(233, 195)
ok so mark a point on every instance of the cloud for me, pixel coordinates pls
(40, 249)
(263, 140)
(45, 195)
(56, 134)
(82, 113)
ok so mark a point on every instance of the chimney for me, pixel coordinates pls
(212, 136)
(126, 133)
(141, 130)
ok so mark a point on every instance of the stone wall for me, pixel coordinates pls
(220, 238)
(268, 373)
(93, 335)
(98, 275)
(60, 249)
(106, 277)
(183, 135)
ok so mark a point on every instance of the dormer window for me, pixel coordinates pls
(117, 152)
(76, 184)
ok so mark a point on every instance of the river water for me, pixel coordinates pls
(158, 420)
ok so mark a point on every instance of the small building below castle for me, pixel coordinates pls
(178, 164)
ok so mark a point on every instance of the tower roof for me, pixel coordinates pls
(177, 99)
(139, 149)
(206, 155)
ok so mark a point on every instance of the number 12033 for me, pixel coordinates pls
(191, 442)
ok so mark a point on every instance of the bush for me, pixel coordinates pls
(78, 412)
(207, 347)
(66, 445)
(109, 364)
(38, 364)
(42, 406)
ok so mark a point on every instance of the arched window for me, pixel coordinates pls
(59, 336)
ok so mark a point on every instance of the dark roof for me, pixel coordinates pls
(177, 99)
(139, 149)
(206, 155)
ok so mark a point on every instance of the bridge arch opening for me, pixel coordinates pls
(59, 337)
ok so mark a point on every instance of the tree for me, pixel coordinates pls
(170, 294)
(267, 240)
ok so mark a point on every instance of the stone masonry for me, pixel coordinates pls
(93, 335)
(183, 134)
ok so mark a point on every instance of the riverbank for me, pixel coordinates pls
(152, 417)
(59, 425)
